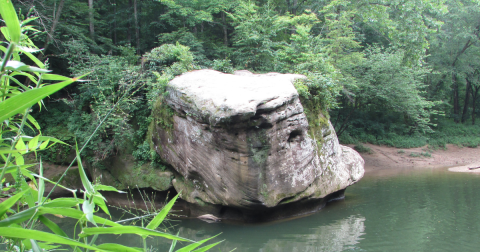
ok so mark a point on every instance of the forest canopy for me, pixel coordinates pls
(403, 73)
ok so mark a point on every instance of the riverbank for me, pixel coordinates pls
(384, 160)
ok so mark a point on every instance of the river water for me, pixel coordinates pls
(415, 210)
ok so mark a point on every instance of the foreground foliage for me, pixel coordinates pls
(24, 206)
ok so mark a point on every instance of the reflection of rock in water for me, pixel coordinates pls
(339, 236)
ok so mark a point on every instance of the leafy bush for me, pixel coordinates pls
(363, 149)
(224, 65)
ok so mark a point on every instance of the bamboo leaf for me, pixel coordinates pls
(52, 226)
(55, 228)
(14, 168)
(9, 16)
(7, 204)
(33, 121)
(41, 182)
(33, 144)
(100, 201)
(18, 82)
(118, 247)
(195, 245)
(19, 103)
(75, 214)
(28, 213)
(28, 49)
(54, 77)
(155, 222)
(14, 65)
(174, 243)
(21, 233)
(107, 188)
(48, 180)
(21, 147)
(35, 59)
(203, 249)
(87, 208)
(43, 145)
(35, 246)
(128, 230)
(86, 183)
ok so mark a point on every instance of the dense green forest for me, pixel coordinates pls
(403, 73)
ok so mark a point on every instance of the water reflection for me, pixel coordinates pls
(416, 211)
(338, 236)
(294, 235)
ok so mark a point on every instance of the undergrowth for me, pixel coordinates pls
(446, 132)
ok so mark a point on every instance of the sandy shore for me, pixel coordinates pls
(388, 159)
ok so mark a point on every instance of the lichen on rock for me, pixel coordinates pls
(244, 141)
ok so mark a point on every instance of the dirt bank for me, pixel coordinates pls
(383, 159)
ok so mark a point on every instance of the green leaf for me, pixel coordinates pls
(53, 182)
(19, 103)
(28, 213)
(128, 230)
(155, 222)
(41, 182)
(21, 147)
(33, 144)
(86, 183)
(35, 246)
(19, 160)
(14, 168)
(54, 77)
(100, 201)
(21, 233)
(203, 249)
(75, 214)
(14, 65)
(18, 82)
(43, 145)
(118, 247)
(55, 229)
(33, 121)
(34, 59)
(107, 188)
(9, 16)
(195, 245)
(174, 243)
(7, 204)
(87, 208)
(52, 226)
(27, 49)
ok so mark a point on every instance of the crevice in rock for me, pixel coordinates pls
(286, 200)
(294, 135)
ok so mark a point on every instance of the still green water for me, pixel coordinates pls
(427, 210)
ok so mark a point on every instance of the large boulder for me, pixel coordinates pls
(243, 140)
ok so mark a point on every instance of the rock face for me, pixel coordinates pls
(244, 141)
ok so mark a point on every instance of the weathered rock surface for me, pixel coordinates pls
(123, 172)
(243, 141)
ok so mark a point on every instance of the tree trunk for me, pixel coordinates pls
(225, 35)
(114, 22)
(456, 102)
(467, 98)
(474, 99)
(137, 28)
(56, 18)
(129, 28)
(91, 19)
